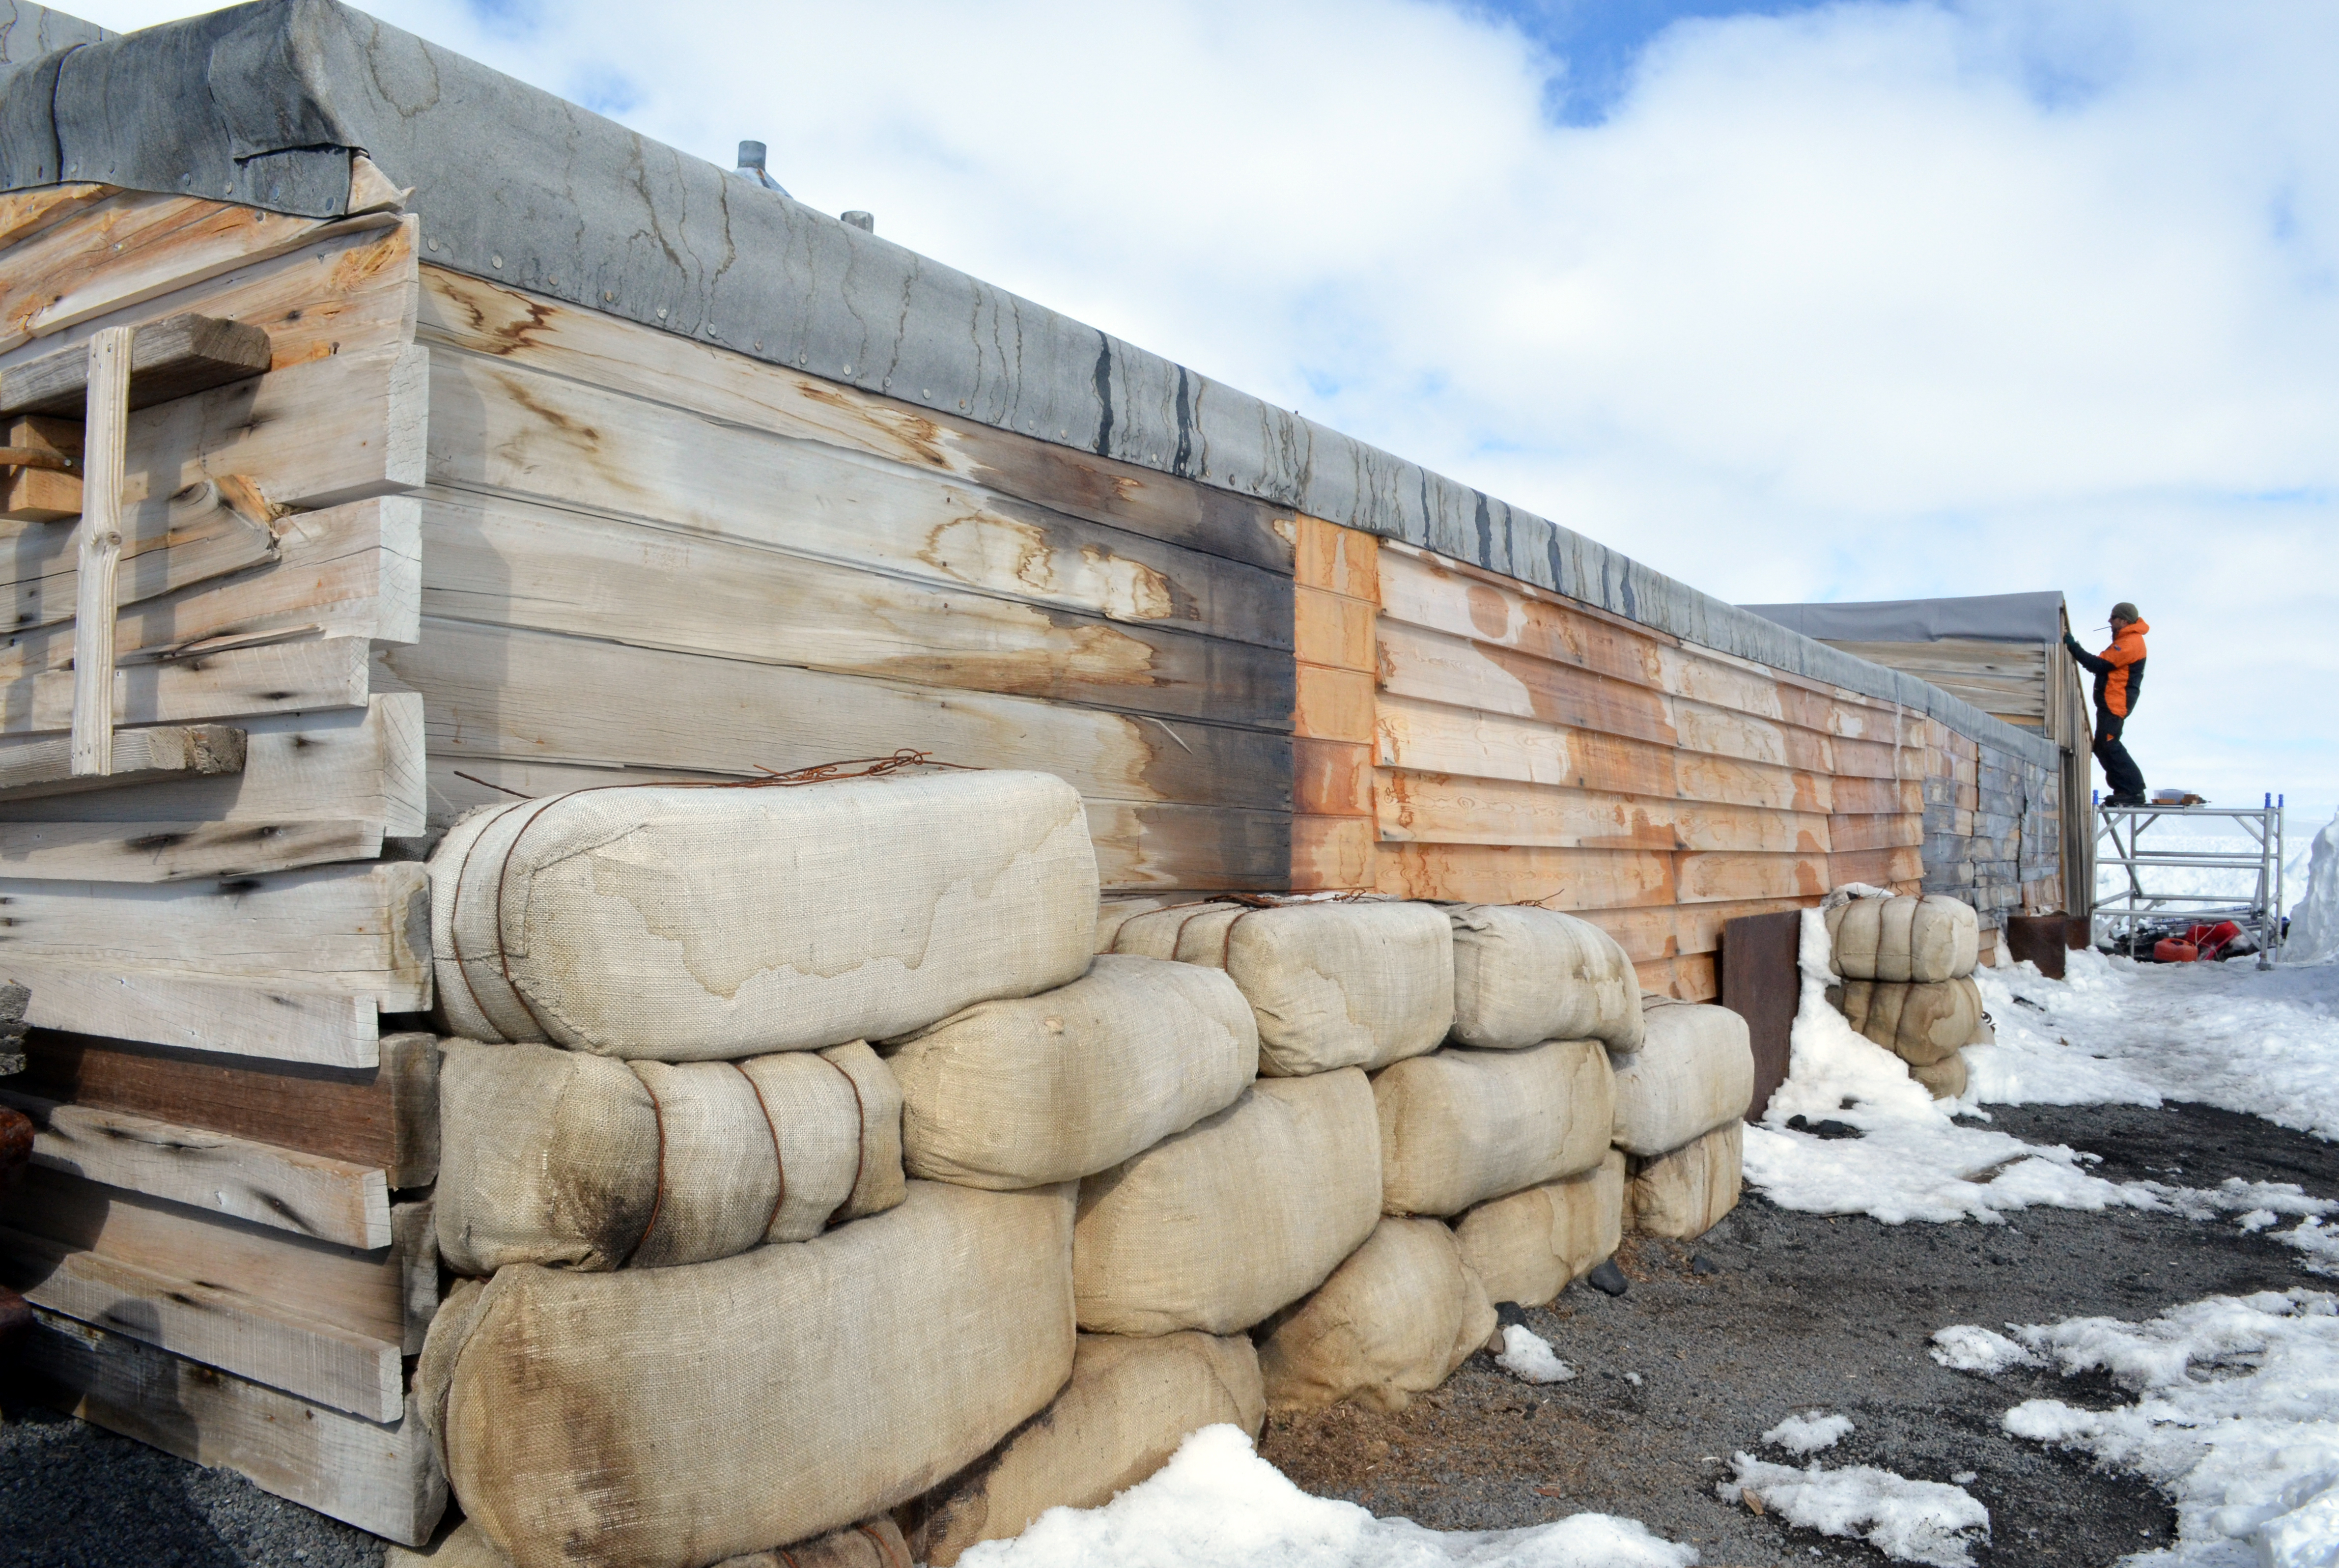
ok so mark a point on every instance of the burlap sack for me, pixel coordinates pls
(1694, 1071)
(1523, 975)
(1074, 1080)
(1333, 984)
(1459, 1127)
(1921, 1024)
(1928, 939)
(1243, 1213)
(579, 1161)
(1529, 1246)
(1129, 1404)
(673, 1417)
(1682, 1193)
(871, 1543)
(1945, 1079)
(1393, 1321)
(678, 924)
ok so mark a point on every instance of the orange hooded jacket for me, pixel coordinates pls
(2118, 670)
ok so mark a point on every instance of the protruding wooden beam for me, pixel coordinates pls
(173, 358)
(142, 756)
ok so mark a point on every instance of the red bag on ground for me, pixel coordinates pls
(2168, 950)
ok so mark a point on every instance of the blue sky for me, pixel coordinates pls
(1874, 298)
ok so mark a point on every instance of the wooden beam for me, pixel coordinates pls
(307, 1194)
(105, 386)
(159, 753)
(1440, 808)
(241, 682)
(379, 1478)
(281, 1023)
(176, 357)
(178, 851)
(24, 213)
(206, 539)
(1562, 879)
(383, 1116)
(48, 490)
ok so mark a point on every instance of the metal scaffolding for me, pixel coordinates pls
(2139, 913)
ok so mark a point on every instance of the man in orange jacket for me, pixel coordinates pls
(2120, 680)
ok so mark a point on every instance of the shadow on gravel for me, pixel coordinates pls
(1807, 1312)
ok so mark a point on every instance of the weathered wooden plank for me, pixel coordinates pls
(1876, 796)
(135, 246)
(1342, 560)
(1691, 978)
(350, 292)
(1730, 877)
(46, 767)
(379, 1478)
(314, 1359)
(1511, 874)
(361, 930)
(176, 357)
(24, 213)
(384, 1116)
(512, 563)
(309, 1195)
(1650, 934)
(1333, 705)
(352, 571)
(1332, 777)
(97, 544)
(1876, 866)
(492, 692)
(362, 765)
(179, 851)
(1331, 629)
(1856, 832)
(41, 484)
(538, 437)
(241, 682)
(1442, 808)
(288, 1024)
(603, 351)
(205, 539)
(1329, 853)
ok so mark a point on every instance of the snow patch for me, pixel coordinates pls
(1969, 1347)
(1218, 1505)
(2236, 1418)
(1528, 1356)
(1929, 1522)
(1809, 1434)
(2314, 919)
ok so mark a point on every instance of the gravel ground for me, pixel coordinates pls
(1799, 1313)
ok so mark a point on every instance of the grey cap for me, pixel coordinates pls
(2124, 611)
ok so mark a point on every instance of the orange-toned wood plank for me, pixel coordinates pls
(1654, 934)
(1332, 778)
(1700, 775)
(1878, 796)
(24, 213)
(1435, 737)
(1556, 877)
(1713, 878)
(1330, 853)
(1846, 833)
(1686, 979)
(1343, 560)
(1333, 705)
(1330, 629)
(1876, 867)
(1444, 808)
(1436, 667)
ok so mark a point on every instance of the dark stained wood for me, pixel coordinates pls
(1760, 984)
(2039, 938)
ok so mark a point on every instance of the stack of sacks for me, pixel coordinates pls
(1132, 1073)
(1506, 1128)
(718, 1320)
(1681, 1105)
(1907, 965)
(1225, 1227)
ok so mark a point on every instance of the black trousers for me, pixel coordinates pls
(2120, 771)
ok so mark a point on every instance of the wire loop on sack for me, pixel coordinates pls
(860, 1138)
(658, 1199)
(779, 1166)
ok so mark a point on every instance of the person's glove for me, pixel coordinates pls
(2072, 643)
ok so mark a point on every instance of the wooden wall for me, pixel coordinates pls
(1467, 736)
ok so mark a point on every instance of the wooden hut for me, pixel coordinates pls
(461, 443)
(1987, 837)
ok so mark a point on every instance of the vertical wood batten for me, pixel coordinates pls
(105, 431)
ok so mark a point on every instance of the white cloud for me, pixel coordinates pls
(1873, 300)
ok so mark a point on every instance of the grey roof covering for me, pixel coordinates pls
(29, 33)
(265, 104)
(1989, 618)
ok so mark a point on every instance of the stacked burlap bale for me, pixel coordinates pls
(1135, 1077)
(720, 1320)
(873, 1543)
(1681, 1105)
(1907, 969)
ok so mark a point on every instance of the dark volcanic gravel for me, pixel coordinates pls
(1799, 1313)
(1804, 1313)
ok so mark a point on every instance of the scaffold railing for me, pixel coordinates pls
(2153, 901)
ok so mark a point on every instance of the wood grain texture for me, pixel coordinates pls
(287, 1023)
(24, 213)
(1857, 832)
(175, 356)
(1332, 777)
(1649, 934)
(1333, 854)
(585, 346)
(1876, 867)
(1441, 808)
(1340, 560)
(1333, 705)
(1331, 629)
(188, 850)
(310, 1195)
(48, 767)
(1691, 978)
(273, 678)
(384, 1116)
(379, 1478)
(1525, 874)
(1730, 877)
